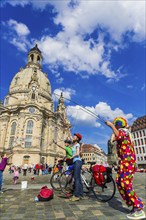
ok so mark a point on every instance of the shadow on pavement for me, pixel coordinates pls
(116, 204)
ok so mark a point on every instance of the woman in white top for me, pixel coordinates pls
(78, 190)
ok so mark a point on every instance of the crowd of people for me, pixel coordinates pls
(36, 169)
(125, 170)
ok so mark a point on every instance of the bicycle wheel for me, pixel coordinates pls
(86, 180)
(66, 182)
(105, 192)
(54, 181)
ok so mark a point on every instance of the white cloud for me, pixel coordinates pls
(130, 86)
(20, 45)
(84, 116)
(73, 47)
(20, 28)
(118, 17)
(67, 94)
(17, 34)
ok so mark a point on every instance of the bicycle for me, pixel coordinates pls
(102, 192)
(54, 181)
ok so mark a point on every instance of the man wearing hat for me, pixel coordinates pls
(126, 167)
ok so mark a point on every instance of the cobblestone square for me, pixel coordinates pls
(16, 203)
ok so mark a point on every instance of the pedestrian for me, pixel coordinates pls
(25, 167)
(126, 167)
(16, 175)
(68, 148)
(78, 186)
(3, 164)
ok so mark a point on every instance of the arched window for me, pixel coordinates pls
(143, 132)
(38, 59)
(29, 131)
(31, 57)
(140, 134)
(6, 100)
(33, 96)
(12, 134)
(29, 128)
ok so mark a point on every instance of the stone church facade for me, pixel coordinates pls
(29, 125)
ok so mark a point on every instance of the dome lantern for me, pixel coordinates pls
(35, 58)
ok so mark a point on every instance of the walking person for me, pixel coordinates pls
(3, 164)
(16, 175)
(126, 167)
(78, 187)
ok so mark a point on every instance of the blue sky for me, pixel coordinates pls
(94, 52)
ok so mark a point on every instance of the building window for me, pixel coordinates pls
(28, 141)
(135, 143)
(143, 150)
(137, 134)
(134, 135)
(29, 128)
(29, 131)
(138, 142)
(138, 158)
(140, 150)
(38, 60)
(143, 132)
(6, 100)
(12, 134)
(31, 58)
(142, 141)
(136, 150)
(16, 80)
(140, 134)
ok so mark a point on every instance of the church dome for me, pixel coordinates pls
(21, 81)
(30, 83)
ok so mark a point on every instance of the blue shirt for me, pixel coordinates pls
(74, 151)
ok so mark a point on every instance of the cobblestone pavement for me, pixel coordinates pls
(17, 204)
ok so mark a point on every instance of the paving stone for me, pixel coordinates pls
(19, 204)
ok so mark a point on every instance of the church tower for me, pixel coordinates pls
(29, 125)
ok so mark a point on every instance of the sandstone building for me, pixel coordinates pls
(29, 125)
(138, 131)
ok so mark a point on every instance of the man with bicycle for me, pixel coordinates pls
(78, 187)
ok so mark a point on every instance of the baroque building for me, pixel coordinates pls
(29, 124)
(138, 131)
(91, 153)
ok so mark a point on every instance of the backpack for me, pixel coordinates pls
(98, 174)
(45, 194)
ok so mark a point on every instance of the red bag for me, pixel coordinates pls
(98, 173)
(45, 194)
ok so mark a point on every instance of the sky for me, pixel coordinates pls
(93, 52)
